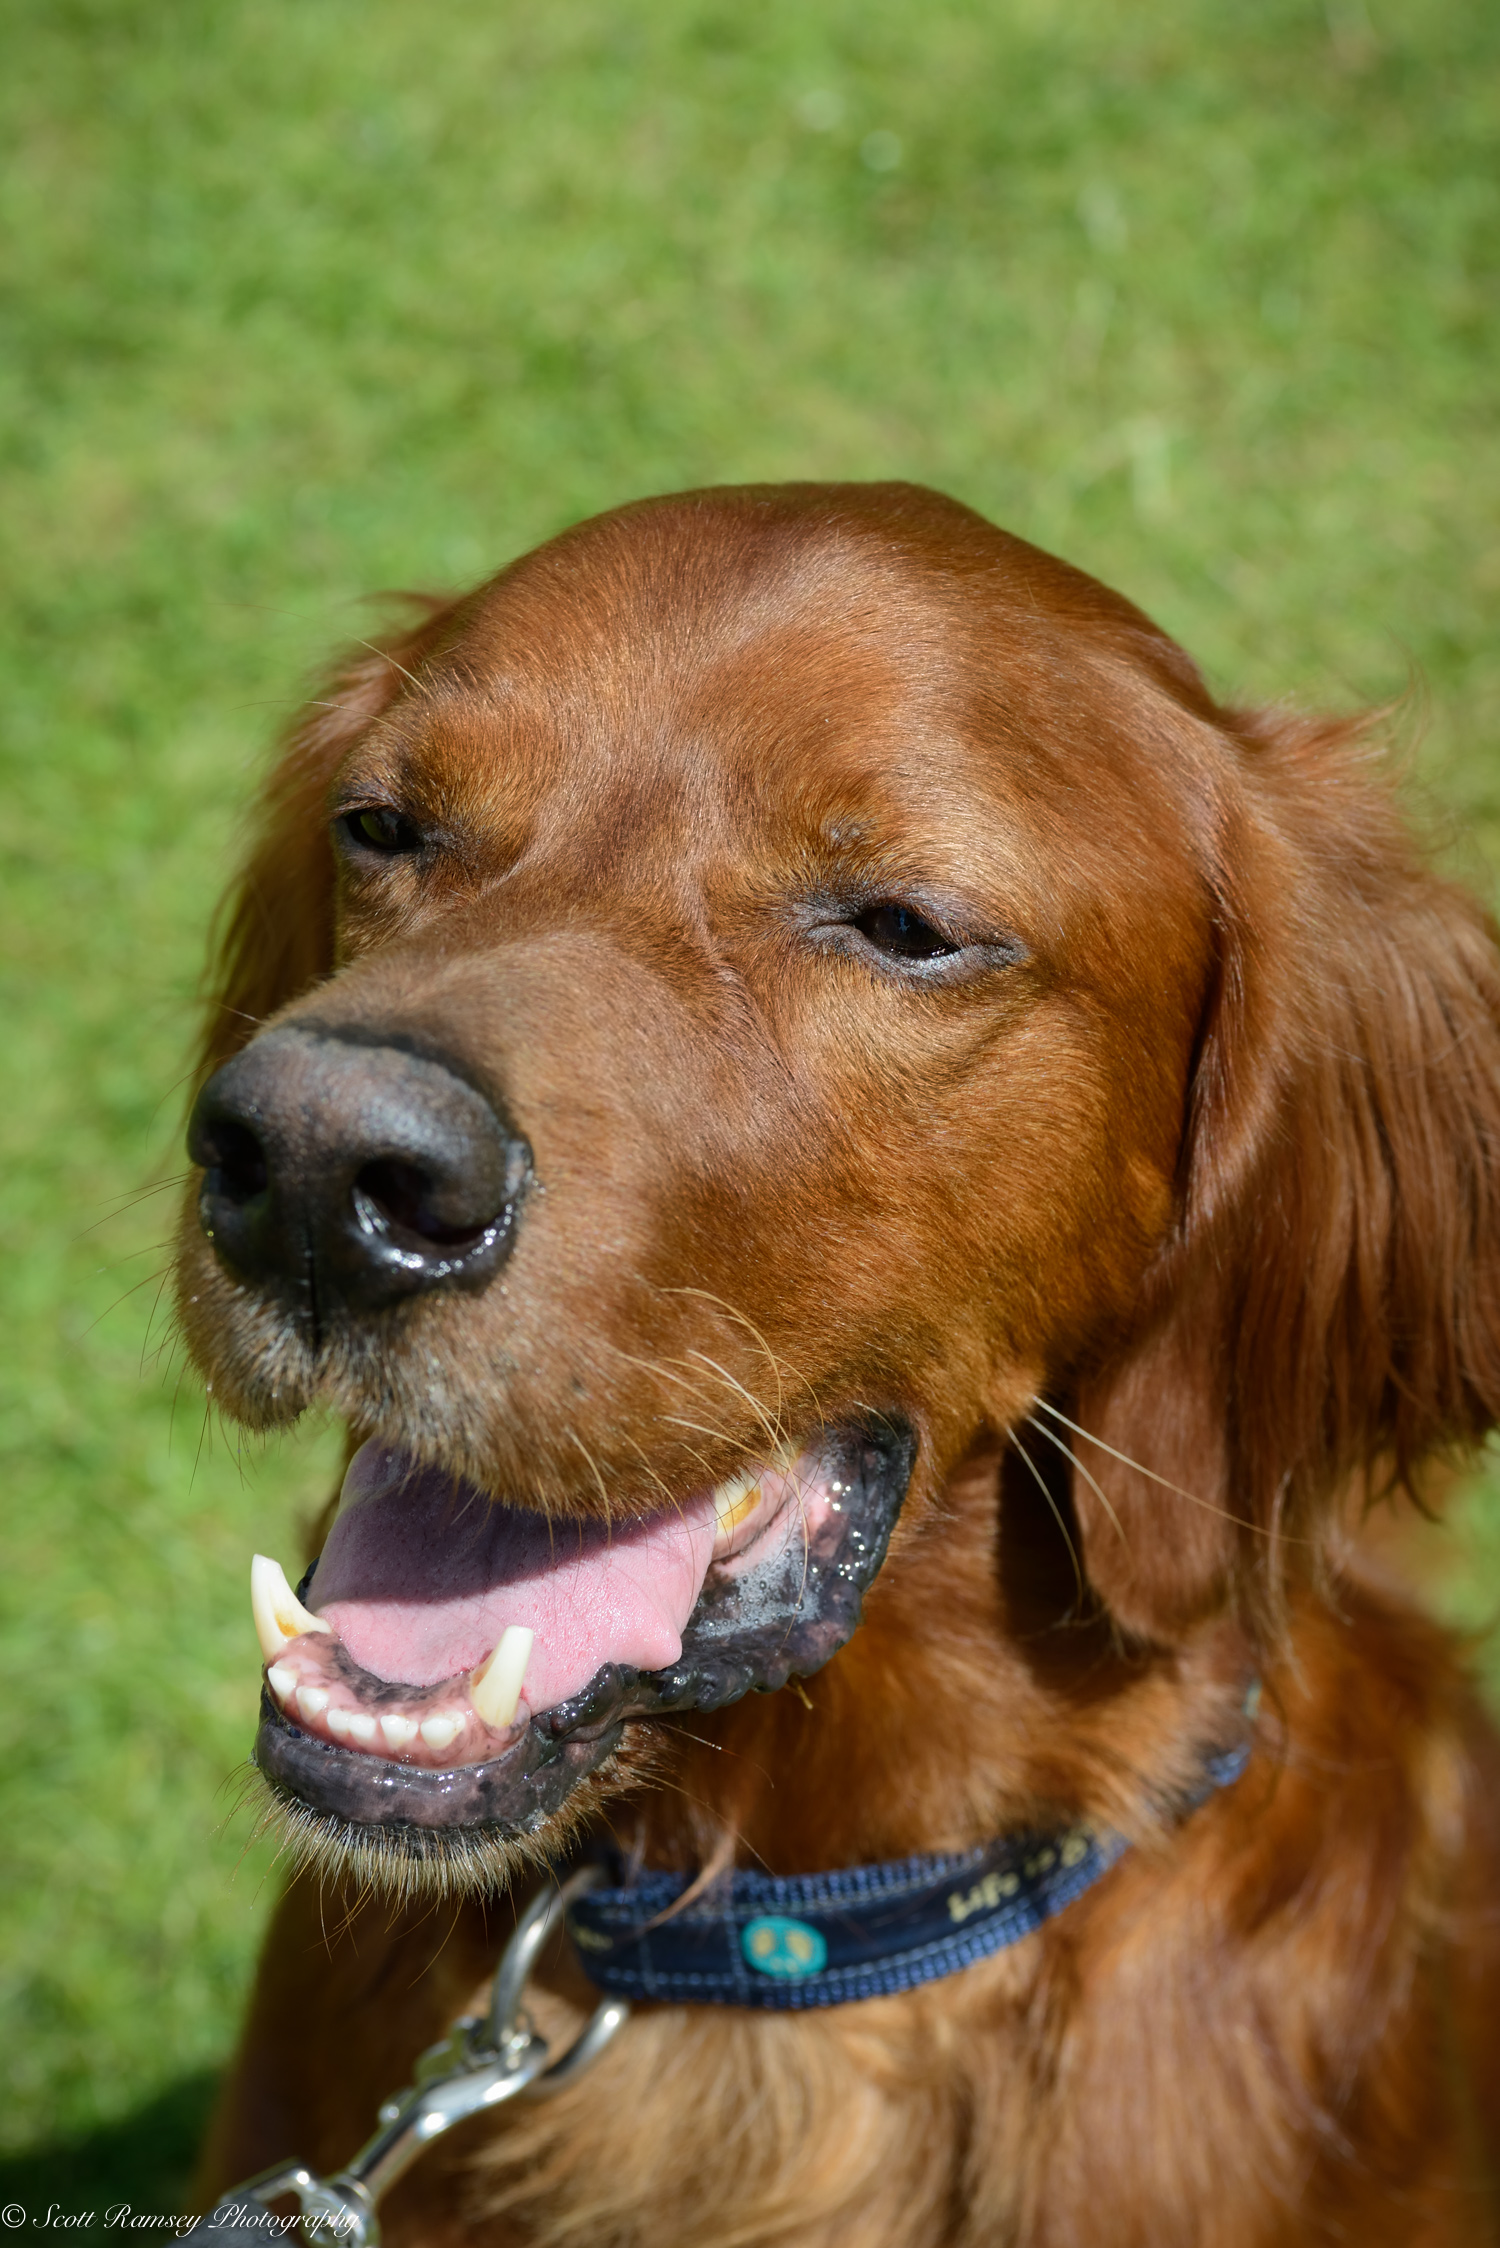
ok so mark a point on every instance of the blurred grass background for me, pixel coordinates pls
(306, 298)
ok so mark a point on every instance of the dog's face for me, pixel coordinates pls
(774, 940)
(749, 1040)
(778, 903)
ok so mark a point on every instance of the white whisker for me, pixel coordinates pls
(699, 1428)
(1079, 1469)
(1041, 1482)
(1151, 1475)
(385, 653)
(770, 1426)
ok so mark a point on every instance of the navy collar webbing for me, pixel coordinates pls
(819, 1939)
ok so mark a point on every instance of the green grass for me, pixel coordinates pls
(304, 298)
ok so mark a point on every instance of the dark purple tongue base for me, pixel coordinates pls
(753, 1630)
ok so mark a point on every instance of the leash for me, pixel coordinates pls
(757, 1940)
(484, 2061)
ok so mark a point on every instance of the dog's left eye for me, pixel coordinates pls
(378, 828)
(904, 935)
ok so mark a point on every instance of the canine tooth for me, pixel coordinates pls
(736, 1500)
(437, 1732)
(279, 1614)
(362, 1727)
(282, 1680)
(338, 1720)
(496, 1688)
(312, 1700)
(398, 1730)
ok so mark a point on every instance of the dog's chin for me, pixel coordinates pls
(388, 1758)
(428, 1864)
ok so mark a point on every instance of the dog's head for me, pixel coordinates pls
(725, 1022)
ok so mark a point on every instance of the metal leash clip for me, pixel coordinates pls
(484, 2060)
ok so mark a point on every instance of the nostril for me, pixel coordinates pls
(343, 1174)
(233, 1153)
(391, 1196)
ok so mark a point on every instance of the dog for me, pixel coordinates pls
(833, 1124)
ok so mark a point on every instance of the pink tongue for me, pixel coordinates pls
(421, 1575)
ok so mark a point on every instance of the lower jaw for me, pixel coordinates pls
(510, 1795)
(743, 1635)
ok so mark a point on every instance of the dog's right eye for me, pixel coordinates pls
(904, 935)
(377, 828)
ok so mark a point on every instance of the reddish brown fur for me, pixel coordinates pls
(1216, 1167)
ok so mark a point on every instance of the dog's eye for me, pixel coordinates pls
(896, 930)
(378, 828)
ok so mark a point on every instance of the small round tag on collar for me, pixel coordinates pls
(788, 1949)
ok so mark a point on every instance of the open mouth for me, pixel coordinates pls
(462, 1664)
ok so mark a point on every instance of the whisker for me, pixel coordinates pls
(806, 1550)
(1041, 1483)
(699, 1428)
(172, 1409)
(663, 1367)
(159, 1275)
(1239, 1520)
(176, 1084)
(1079, 1469)
(376, 650)
(203, 1433)
(653, 1366)
(166, 1274)
(693, 1451)
(116, 1205)
(574, 1438)
(666, 1493)
(170, 1340)
(128, 1256)
(770, 1426)
(741, 1319)
(285, 702)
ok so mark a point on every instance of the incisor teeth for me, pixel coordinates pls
(437, 1732)
(496, 1688)
(338, 1720)
(362, 1727)
(312, 1700)
(399, 1730)
(282, 1680)
(279, 1615)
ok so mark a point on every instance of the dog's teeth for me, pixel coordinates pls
(362, 1727)
(437, 1732)
(398, 1730)
(279, 1615)
(282, 1680)
(735, 1501)
(495, 1689)
(312, 1700)
(340, 1720)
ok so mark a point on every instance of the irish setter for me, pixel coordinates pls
(790, 991)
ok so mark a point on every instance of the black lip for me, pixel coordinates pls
(749, 1632)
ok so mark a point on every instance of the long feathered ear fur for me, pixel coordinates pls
(1329, 1312)
(275, 929)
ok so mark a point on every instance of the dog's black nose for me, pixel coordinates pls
(342, 1172)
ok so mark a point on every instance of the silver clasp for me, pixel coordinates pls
(484, 2060)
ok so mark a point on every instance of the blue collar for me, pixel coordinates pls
(819, 1939)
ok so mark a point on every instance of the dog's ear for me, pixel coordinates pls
(274, 932)
(1328, 1313)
